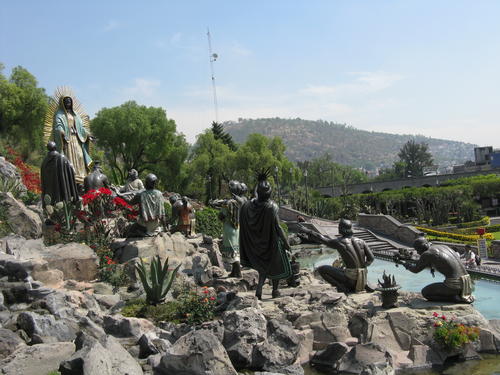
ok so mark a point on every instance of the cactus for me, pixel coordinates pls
(389, 282)
(159, 281)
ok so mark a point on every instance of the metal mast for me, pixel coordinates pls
(213, 57)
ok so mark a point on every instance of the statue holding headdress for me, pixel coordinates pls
(67, 125)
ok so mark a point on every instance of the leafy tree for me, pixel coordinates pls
(22, 111)
(395, 172)
(416, 157)
(209, 164)
(220, 134)
(140, 137)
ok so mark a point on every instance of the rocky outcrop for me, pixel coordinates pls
(21, 220)
(198, 352)
(8, 171)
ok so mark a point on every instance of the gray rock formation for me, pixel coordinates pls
(21, 220)
(196, 353)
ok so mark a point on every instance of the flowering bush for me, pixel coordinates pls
(98, 206)
(196, 306)
(31, 178)
(455, 236)
(109, 270)
(452, 335)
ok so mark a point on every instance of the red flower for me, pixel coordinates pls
(435, 314)
(57, 227)
(105, 191)
(206, 291)
(212, 298)
(443, 317)
(121, 202)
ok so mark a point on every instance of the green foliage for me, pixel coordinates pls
(54, 373)
(157, 284)
(10, 185)
(194, 308)
(22, 107)
(109, 271)
(191, 307)
(452, 335)
(416, 157)
(5, 228)
(284, 227)
(220, 134)
(30, 198)
(305, 140)
(207, 222)
(140, 137)
(482, 222)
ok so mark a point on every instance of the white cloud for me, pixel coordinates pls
(240, 50)
(142, 88)
(111, 25)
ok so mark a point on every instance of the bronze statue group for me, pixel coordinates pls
(252, 235)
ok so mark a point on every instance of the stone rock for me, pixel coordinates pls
(214, 253)
(37, 359)
(306, 338)
(217, 272)
(77, 261)
(46, 326)
(175, 247)
(243, 329)
(279, 350)
(150, 344)
(366, 359)
(10, 172)
(329, 356)
(9, 342)
(119, 326)
(106, 300)
(105, 356)
(196, 353)
(50, 278)
(21, 220)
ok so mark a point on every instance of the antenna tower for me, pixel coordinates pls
(213, 58)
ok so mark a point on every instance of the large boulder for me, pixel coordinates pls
(243, 330)
(103, 356)
(75, 261)
(175, 247)
(37, 359)
(9, 171)
(21, 220)
(9, 342)
(196, 353)
(120, 326)
(46, 327)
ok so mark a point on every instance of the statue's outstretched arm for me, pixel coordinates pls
(420, 265)
(368, 254)
(331, 242)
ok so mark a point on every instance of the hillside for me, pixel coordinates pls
(306, 139)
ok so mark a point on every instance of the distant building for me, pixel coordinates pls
(482, 155)
(495, 159)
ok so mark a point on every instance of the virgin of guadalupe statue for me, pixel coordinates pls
(67, 125)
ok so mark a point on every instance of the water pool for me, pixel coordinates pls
(486, 293)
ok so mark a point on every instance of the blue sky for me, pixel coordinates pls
(408, 67)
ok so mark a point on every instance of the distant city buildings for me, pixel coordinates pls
(485, 158)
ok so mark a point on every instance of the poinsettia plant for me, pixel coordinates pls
(98, 208)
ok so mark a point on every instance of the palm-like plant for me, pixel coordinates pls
(158, 282)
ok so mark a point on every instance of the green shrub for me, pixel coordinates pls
(482, 222)
(207, 222)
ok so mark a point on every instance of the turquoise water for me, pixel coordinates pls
(486, 293)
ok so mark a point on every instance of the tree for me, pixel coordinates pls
(22, 111)
(416, 157)
(142, 138)
(220, 134)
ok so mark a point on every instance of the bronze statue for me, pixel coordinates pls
(182, 215)
(356, 256)
(133, 183)
(96, 179)
(229, 215)
(263, 244)
(67, 125)
(151, 210)
(457, 286)
(57, 177)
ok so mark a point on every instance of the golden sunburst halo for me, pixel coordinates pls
(54, 101)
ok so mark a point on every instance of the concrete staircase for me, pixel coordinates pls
(380, 247)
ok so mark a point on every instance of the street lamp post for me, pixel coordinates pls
(209, 178)
(307, 195)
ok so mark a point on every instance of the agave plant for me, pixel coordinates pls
(158, 282)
